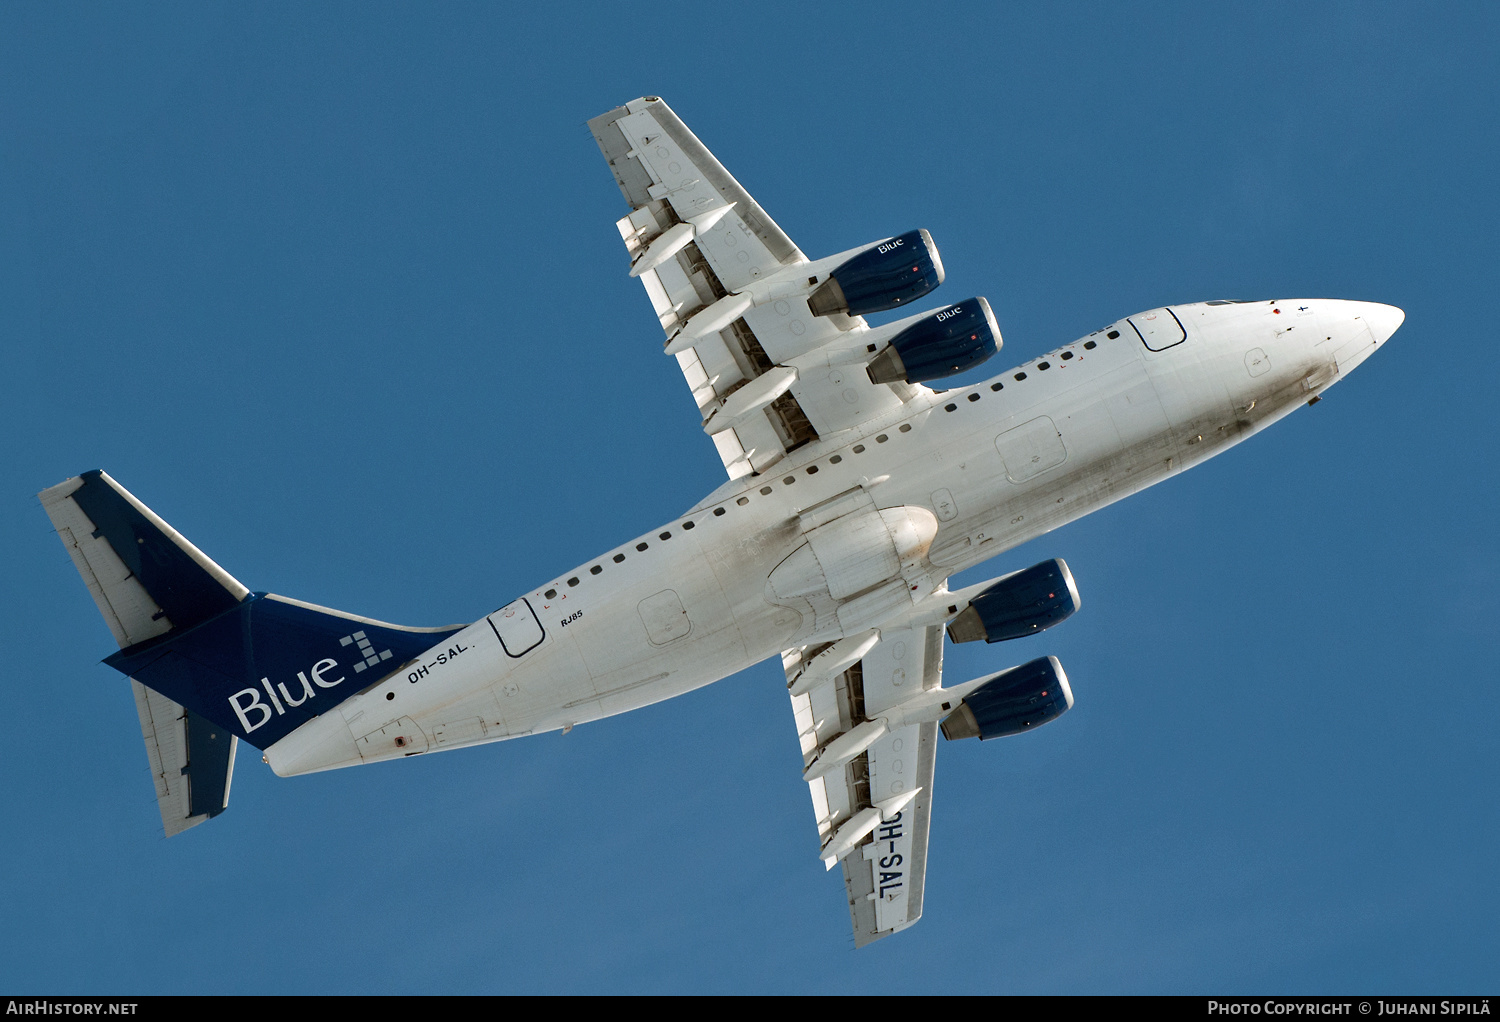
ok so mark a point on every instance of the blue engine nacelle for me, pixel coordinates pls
(947, 342)
(1020, 699)
(1018, 605)
(888, 274)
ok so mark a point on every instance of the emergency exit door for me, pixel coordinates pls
(1159, 329)
(517, 628)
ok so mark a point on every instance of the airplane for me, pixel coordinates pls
(855, 489)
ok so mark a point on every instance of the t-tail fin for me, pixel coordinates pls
(209, 661)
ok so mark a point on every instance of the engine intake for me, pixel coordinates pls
(890, 273)
(1018, 605)
(947, 342)
(1020, 699)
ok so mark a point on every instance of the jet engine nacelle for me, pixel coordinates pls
(946, 342)
(887, 274)
(1020, 604)
(1020, 699)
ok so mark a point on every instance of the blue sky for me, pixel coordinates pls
(336, 290)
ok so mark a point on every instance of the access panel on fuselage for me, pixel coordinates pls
(517, 628)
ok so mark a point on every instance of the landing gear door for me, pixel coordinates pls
(517, 628)
(1159, 328)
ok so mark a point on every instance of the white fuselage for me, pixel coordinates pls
(997, 464)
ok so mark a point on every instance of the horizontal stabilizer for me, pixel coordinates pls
(146, 578)
(148, 581)
(192, 760)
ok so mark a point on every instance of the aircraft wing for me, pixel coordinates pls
(868, 818)
(730, 290)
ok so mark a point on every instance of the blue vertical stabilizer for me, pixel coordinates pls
(270, 664)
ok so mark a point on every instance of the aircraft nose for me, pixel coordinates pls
(1383, 320)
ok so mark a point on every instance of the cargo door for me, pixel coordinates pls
(1030, 449)
(664, 617)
